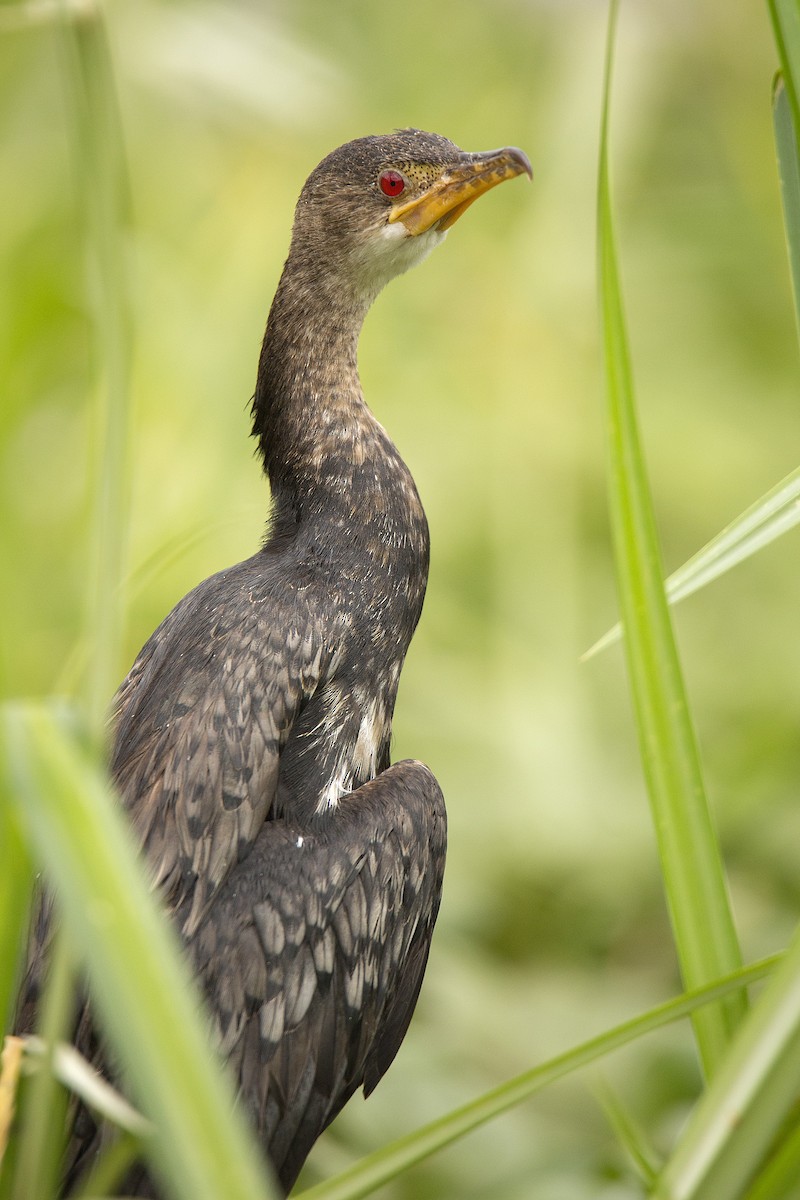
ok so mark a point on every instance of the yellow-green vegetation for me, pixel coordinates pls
(150, 157)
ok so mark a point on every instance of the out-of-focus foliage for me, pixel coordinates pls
(484, 366)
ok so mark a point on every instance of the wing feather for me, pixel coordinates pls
(200, 723)
(340, 921)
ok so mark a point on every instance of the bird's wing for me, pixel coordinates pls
(313, 952)
(200, 722)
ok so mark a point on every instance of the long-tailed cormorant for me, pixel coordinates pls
(252, 734)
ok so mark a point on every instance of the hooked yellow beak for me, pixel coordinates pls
(457, 187)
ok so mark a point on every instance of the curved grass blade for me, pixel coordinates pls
(694, 881)
(385, 1164)
(774, 514)
(80, 1077)
(747, 1101)
(139, 981)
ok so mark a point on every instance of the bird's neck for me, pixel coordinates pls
(308, 408)
(323, 450)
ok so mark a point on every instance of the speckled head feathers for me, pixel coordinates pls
(357, 165)
(378, 205)
(342, 216)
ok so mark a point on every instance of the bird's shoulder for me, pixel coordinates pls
(200, 721)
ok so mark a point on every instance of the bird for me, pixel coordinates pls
(251, 737)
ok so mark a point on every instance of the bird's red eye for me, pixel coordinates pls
(391, 183)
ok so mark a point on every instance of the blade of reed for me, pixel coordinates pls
(109, 1169)
(703, 928)
(644, 1158)
(780, 1177)
(778, 510)
(16, 882)
(385, 1164)
(80, 1077)
(758, 1082)
(785, 15)
(786, 146)
(101, 173)
(745, 1104)
(138, 978)
(775, 513)
(41, 1132)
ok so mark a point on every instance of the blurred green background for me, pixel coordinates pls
(484, 367)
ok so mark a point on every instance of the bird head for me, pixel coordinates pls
(378, 205)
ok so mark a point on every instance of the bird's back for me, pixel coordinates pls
(252, 753)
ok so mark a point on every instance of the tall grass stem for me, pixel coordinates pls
(102, 177)
(742, 1110)
(702, 923)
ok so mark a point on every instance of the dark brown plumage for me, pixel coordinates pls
(252, 733)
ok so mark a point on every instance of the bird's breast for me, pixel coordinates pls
(362, 549)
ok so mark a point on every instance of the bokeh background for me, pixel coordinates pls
(484, 366)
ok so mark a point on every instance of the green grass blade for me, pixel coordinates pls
(702, 923)
(100, 170)
(774, 514)
(785, 16)
(80, 1078)
(629, 1134)
(43, 1114)
(144, 996)
(385, 1164)
(16, 882)
(747, 1101)
(780, 1177)
(778, 510)
(109, 1169)
(786, 147)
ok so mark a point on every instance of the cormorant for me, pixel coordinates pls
(252, 733)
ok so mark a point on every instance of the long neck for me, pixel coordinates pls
(308, 408)
(336, 478)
